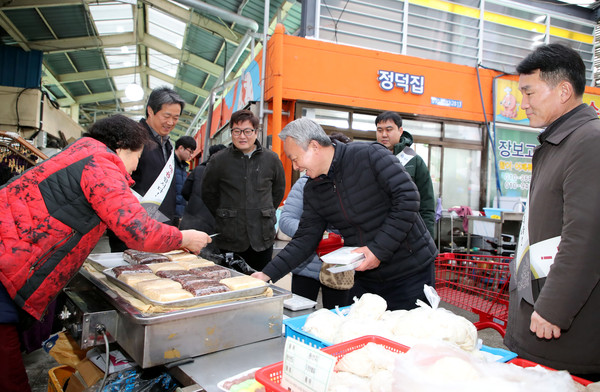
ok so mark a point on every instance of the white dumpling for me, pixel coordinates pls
(368, 307)
(324, 324)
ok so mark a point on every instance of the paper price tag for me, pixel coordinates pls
(305, 368)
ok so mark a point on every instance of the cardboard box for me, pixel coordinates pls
(86, 375)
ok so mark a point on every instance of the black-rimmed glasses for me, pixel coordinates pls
(238, 131)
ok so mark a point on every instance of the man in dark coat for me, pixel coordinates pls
(362, 190)
(184, 149)
(196, 214)
(391, 134)
(154, 184)
(553, 318)
(243, 186)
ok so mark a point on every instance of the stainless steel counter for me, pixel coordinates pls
(207, 370)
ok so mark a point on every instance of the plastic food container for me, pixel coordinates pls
(270, 376)
(240, 380)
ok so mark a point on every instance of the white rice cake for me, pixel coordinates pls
(181, 256)
(133, 279)
(169, 295)
(189, 264)
(157, 284)
(168, 266)
(242, 282)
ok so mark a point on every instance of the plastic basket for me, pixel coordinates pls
(270, 376)
(57, 376)
(293, 329)
(525, 363)
(476, 283)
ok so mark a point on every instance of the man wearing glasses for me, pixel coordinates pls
(243, 186)
(184, 149)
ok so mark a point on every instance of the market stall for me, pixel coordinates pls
(222, 340)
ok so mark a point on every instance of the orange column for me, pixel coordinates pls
(276, 57)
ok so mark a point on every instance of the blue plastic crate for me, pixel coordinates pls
(293, 329)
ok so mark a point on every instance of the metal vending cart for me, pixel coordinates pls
(477, 283)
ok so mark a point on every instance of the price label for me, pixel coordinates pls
(305, 368)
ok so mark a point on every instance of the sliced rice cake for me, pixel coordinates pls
(212, 272)
(139, 257)
(168, 295)
(130, 269)
(189, 264)
(170, 274)
(133, 279)
(168, 266)
(157, 284)
(242, 282)
(181, 256)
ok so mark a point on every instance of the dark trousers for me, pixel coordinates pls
(13, 376)
(399, 293)
(256, 260)
(309, 288)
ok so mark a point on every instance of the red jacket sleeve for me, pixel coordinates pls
(105, 184)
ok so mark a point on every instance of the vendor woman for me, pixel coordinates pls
(52, 216)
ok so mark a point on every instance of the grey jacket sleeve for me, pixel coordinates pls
(292, 209)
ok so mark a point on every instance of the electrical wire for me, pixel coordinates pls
(107, 360)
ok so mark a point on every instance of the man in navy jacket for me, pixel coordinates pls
(362, 190)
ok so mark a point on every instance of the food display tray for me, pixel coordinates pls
(209, 298)
(293, 329)
(270, 376)
(525, 363)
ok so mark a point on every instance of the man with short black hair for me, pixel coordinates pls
(184, 149)
(243, 186)
(553, 316)
(391, 134)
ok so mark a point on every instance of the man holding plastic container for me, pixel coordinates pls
(362, 190)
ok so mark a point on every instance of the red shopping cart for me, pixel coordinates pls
(477, 283)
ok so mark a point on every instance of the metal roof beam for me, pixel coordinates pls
(50, 78)
(16, 4)
(178, 83)
(196, 19)
(185, 56)
(82, 43)
(10, 28)
(125, 39)
(92, 98)
(99, 74)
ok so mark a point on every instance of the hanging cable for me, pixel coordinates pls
(492, 141)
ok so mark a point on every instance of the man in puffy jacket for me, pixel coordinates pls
(363, 191)
(391, 134)
(54, 214)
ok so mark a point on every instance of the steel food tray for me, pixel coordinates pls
(102, 261)
(226, 296)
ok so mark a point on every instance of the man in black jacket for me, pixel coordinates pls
(154, 176)
(242, 187)
(363, 191)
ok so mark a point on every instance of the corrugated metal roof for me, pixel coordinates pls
(68, 35)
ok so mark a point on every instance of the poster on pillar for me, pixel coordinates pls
(508, 102)
(246, 89)
(514, 149)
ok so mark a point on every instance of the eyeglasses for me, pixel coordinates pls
(238, 131)
(190, 151)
